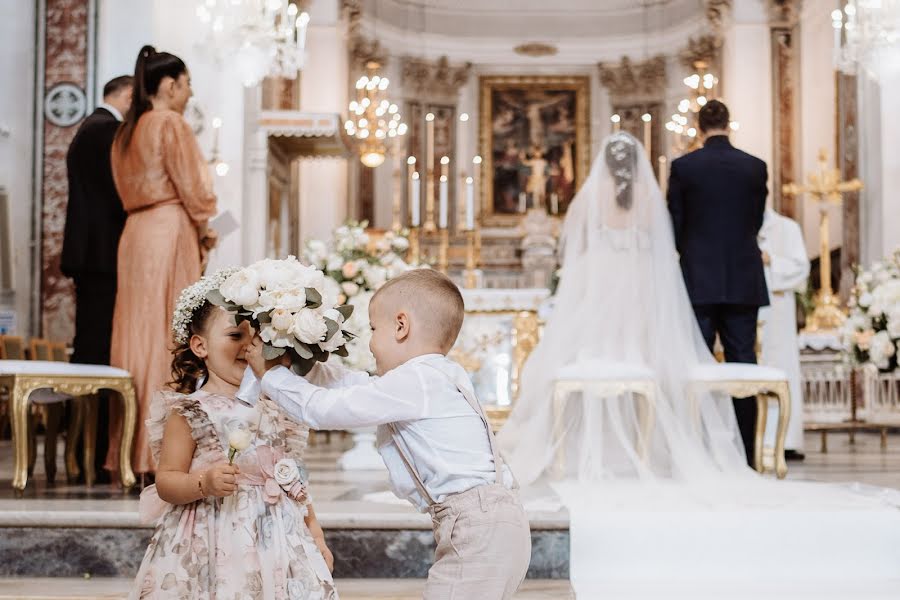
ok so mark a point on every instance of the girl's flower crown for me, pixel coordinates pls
(192, 298)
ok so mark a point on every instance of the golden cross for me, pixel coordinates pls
(825, 187)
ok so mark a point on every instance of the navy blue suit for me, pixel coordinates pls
(717, 198)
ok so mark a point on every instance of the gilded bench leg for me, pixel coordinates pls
(128, 422)
(647, 422)
(19, 419)
(762, 406)
(783, 393)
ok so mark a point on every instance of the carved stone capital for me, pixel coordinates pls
(717, 12)
(784, 13)
(434, 79)
(705, 49)
(362, 49)
(629, 81)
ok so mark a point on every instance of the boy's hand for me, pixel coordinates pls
(256, 360)
(220, 480)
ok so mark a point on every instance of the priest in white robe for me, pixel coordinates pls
(787, 269)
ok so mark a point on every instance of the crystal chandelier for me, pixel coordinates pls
(373, 118)
(259, 38)
(863, 27)
(684, 124)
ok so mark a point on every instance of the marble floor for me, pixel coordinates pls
(349, 589)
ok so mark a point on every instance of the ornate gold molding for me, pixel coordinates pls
(535, 49)
(362, 49)
(629, 81)
(426, 79)
(717, 12)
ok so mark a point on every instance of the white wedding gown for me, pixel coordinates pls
(622, 298)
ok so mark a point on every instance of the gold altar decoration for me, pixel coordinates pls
(21, 386)
(826, 188)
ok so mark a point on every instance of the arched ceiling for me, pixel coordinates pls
(583, 31)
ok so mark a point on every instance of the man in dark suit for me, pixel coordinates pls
(94, 223)
(717, 198)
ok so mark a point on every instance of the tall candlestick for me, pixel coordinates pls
(462, 140)
(415, 218)
(442, 203)
(397, 186)
(554, 203)
(523, 202)
(429, 172)
(413, 187)
(470, 203)
(476, 177)
(647, 133)
(663, 176)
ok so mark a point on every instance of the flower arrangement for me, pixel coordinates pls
(292, 308)
(357, 269)
(352, 264)
(872, 331)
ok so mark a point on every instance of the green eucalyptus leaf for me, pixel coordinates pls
(271, 352)
(346, 310)
(302, 350)
(313, 298)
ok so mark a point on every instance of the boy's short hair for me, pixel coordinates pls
(433, 297)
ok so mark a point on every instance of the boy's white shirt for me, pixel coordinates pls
(443, 435)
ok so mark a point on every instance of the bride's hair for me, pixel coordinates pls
(188, 369)
(621, 160)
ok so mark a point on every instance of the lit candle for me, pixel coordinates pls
(302, 22)
(462, 139)
(647, 133)
(617, 122)
(415, 218)
(413, 183)
(442, 205)
(523, 202)
(554, 203)
(663, 176)
(470, 203)
(429, 171)
(476, 174)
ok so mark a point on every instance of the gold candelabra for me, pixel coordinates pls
(825, 187)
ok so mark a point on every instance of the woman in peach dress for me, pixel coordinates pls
(166, 190)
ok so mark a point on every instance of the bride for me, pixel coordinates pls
(621, 299)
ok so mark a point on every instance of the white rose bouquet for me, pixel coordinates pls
(872, 331)
(292, 308)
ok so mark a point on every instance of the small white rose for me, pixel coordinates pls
(286, 471)
(866, 300)
(241, 288)
(335, 262)
(239, 439)
(334, 342)
(309, 326)
(375, 276)
(331, 292)
(349, 270)
(282, 319)
(350, 288)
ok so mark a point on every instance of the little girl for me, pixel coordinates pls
(223, 530)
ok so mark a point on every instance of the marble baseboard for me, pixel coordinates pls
(362, 553)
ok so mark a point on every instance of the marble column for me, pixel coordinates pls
(848, 162)
(785, 97)
(65, 72)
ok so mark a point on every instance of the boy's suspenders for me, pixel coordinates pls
(492, 442)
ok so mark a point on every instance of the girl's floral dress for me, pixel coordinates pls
(253, 544)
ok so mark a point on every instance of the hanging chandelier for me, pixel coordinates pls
(373, 118)
(863, 28)
(685, 124)
(259, 38)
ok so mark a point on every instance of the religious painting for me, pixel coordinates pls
(534, 142)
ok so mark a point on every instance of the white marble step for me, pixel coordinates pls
(63, 588)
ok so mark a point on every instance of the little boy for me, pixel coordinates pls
(432, 434)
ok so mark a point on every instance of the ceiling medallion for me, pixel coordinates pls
(535, 49)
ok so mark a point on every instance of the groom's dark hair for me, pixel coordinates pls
(714, 115)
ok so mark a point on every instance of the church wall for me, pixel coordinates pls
(17, 62)
(323, 88)
(818, 118)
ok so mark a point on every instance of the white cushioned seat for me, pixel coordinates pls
(604, 370)
(61, 369)
(736, 372)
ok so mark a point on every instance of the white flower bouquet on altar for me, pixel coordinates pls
(355, 264)
(872, 331)
(291, 307)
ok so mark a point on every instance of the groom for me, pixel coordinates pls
(717, 199)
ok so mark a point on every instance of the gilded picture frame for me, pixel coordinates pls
(534, 141)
